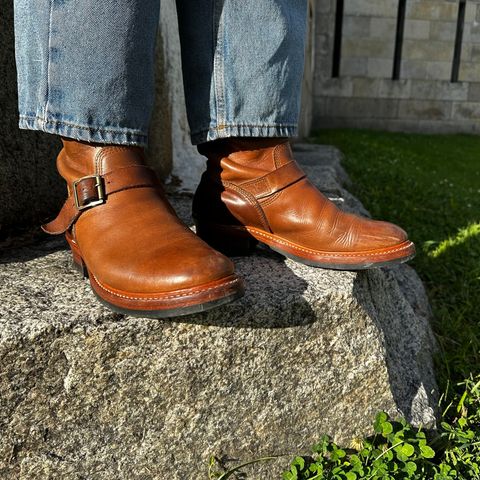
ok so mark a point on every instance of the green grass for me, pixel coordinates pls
(429, 185)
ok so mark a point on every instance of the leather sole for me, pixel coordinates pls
(161, 305)
(240, 240)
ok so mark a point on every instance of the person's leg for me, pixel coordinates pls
(85, 69)
(86, 73)
(248, 57)
(242, 66)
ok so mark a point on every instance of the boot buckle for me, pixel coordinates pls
(100, 192)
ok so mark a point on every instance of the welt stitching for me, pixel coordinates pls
(328, 254)
(162, 297)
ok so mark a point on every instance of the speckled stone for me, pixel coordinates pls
(89, 394)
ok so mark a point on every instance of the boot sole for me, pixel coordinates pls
(239, 240)
(164, 305)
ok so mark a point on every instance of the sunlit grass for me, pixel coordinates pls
(463, 235)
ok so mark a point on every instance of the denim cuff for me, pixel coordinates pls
(244, 130)
(87, 133)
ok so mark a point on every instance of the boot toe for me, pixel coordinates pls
(174, 268)
(196, 267)
(382, 234)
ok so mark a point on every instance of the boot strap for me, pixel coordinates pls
(274, 181)
(92, 190)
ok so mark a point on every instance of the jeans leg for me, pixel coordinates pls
(85, 69)
(242, 66)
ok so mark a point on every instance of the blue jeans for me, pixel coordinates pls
(85, 68)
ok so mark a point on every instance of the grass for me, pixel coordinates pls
(430, 185)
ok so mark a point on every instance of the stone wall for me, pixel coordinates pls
(424, 98)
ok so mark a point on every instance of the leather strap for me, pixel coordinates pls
(274, 181)
(94, 190)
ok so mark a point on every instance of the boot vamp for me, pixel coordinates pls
(135, 242)
(303, 215)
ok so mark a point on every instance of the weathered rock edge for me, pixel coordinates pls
(89, 394)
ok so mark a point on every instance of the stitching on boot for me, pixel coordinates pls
(275, 239)
(268, 200)
(99, 162)
(162, 296)
(252, 201)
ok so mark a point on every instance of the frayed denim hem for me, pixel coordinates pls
(120, 136)
(247, 130)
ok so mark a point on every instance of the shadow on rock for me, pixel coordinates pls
(29, 248)
(273, 297)
(403, 322)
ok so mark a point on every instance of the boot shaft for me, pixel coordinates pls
(233, 162)
(78, 159)
(243, 159)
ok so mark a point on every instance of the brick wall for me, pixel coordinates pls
(423, 98)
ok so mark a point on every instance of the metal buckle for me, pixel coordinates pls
(98, 186)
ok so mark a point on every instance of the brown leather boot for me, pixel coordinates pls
(254, 191)
(140, 258)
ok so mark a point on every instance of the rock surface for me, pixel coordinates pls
(89, 394)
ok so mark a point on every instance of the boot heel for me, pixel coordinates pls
(77, 259)
(229, 240)
(79, 265)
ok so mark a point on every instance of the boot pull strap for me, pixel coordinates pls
(92, 190)
(274, 181)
